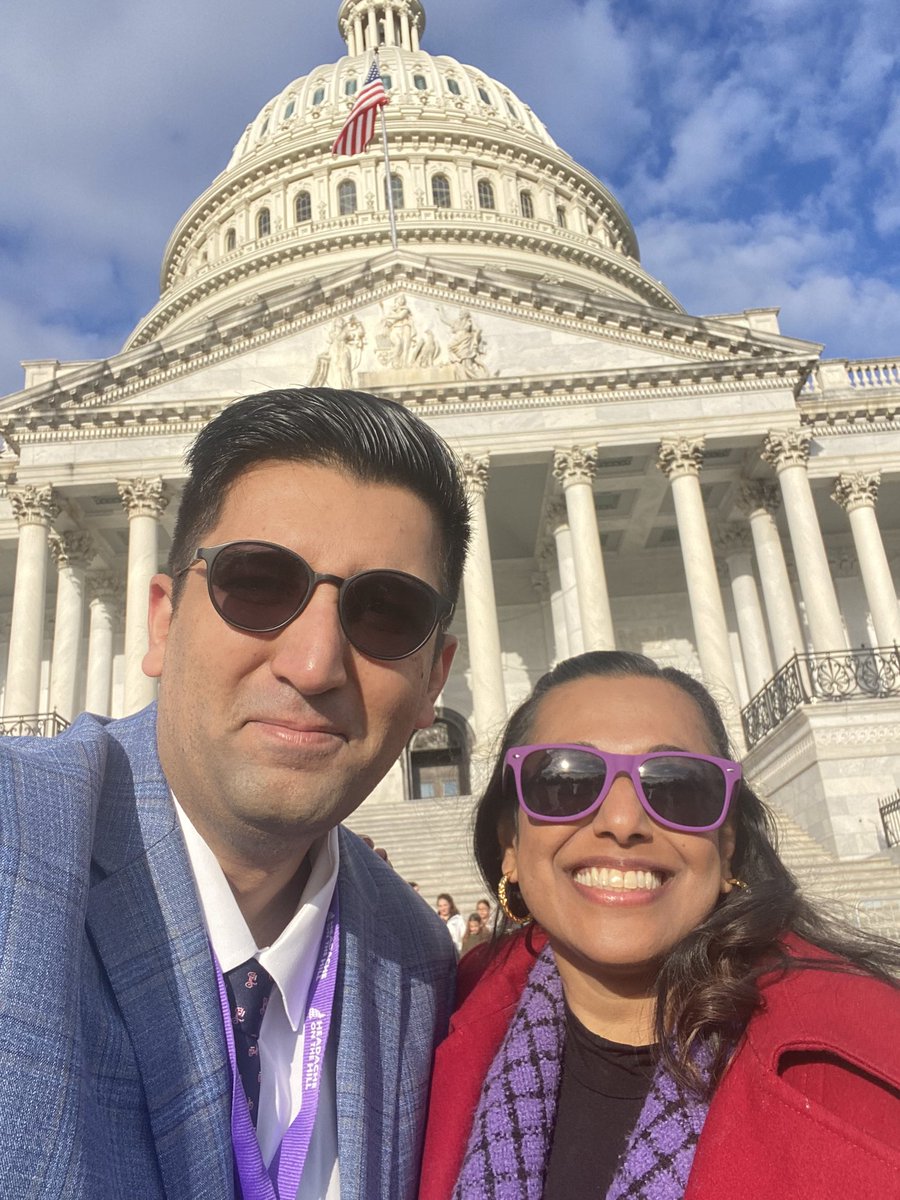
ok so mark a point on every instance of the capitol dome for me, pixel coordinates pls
(476, 178)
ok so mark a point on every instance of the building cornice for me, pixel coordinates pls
(123, 378)
(447, 398)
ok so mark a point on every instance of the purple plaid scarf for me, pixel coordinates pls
(509, 1146)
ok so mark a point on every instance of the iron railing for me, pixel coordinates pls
(39, 725)
(812, 678)
(889, 808)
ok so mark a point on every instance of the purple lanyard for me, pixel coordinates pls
(256, 1182)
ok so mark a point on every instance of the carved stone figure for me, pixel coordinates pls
(396, 337)
(466, 347)
(338, 364)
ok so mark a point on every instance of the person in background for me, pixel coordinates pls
(450, 915)
(169, 878)
(486, 912)
(476, 933)
(672, 1020)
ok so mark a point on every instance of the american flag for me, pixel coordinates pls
(360, 124)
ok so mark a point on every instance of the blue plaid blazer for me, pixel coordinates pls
(114, 1076)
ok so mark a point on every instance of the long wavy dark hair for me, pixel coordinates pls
(708, 986)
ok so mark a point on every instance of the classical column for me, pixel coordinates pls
(856, 494)
(557, 518)
(404, 28)
(144, 500)
(788, 451)
(547, 562)
(106, 595)
(541, 583)
(482, 626)
(373, 29)
(760, 500)
(575, 469)
(735, 547)
(71, 552)
(34, 508)
(680, 459)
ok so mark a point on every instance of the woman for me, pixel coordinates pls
(676, 1021)
(450, 915)
(476, 933)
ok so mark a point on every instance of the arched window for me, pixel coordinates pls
(230, 240)
(482, 92)
(303, 207)
(350, 87)
(561, 216)
(440, 191)
(318, 95)
(346, 197)
(263, 223)
(453, 87)
(439, 759)
(485, 194)
(526, 204)
(420, 82)
(289, 110)
(388, 82)
(265, 126)
(509, 108)
(396, 191)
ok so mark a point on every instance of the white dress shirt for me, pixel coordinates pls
(291, 961)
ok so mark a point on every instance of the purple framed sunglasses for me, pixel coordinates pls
(559, 782)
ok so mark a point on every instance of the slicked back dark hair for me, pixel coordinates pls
(375, 440)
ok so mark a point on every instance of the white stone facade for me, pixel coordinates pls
(702, 489)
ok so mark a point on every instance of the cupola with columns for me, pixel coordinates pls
(476, 178)
(366, 25)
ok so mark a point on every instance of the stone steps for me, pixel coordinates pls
(429, 841)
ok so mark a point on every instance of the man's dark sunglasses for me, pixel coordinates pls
(260, 587)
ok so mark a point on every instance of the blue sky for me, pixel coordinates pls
(756, 147)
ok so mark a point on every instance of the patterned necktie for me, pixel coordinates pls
(248, 989)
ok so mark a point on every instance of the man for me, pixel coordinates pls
(168, 878)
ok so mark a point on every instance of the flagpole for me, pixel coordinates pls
(388, 182)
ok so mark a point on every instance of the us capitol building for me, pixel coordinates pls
(701, 489)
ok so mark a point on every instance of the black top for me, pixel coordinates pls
(602, 1090)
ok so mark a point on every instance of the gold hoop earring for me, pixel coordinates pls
(503, 901)
(738, 883)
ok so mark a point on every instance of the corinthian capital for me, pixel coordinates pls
(786, 448)
(732, 539)
(34, 505)
(578, 465)
(476, 472)
(680, 456)
(105, 588)
(556, 513)
(143, 497)
(859, 490)
(74, 549)
(758, 495)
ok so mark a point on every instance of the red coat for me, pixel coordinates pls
(809, 1108)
